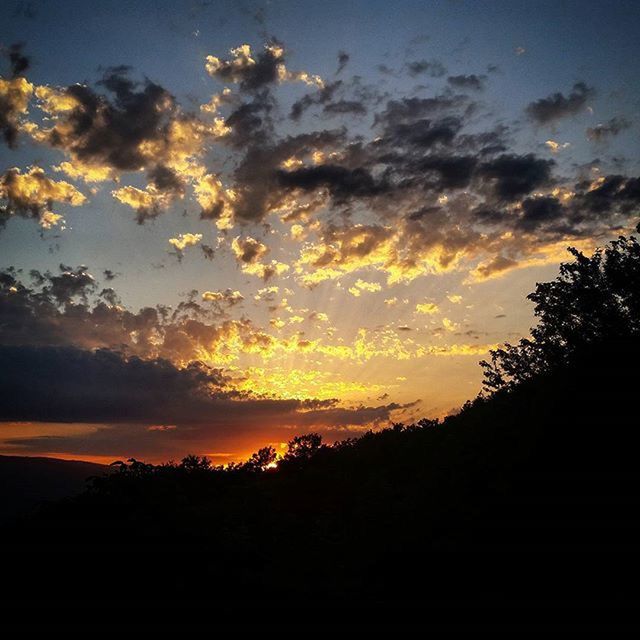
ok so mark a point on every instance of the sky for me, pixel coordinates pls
(226, 223)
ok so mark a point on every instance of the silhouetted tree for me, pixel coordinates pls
(593, 299)
(261, 459)
(195, 463)
(303, 447)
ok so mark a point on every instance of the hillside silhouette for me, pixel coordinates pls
(26, 482)
(529, 494)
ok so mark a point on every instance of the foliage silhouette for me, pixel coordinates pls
(593, 300)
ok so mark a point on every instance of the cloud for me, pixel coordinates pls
(15, 94)
(341, 182)
(471, 81)
(320, 97)
(428, 308)
(611, 128)
(254, 72)
(556, 147)
(345, 107)
(227, 297)
(18, 60)
(514, 176)
(185, 240)
(128, 127)
(430, 190)
(557, 105)
(32, 194)
(539, 211)
(148, 203)
(361, 286)
(343, 60)
(129, 399)
(432, 68)
(248, 250)
(61, 309)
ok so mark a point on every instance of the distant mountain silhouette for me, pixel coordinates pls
(26, 482)
(527, 499)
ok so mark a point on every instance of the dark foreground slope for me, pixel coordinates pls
(26, 482)
(526, 502)
(530, 496)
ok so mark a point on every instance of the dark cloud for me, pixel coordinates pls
(208, 251)
(19, 62)
(109, 274)
(613, 192)
(446, 172)
(611, 128)
(256, 178)
(15, 94)
(165, 179)
(251, 77)
(150, 407)
(251, 122)
(539, 211)
(471, 81)
(343, 59)
(432, 68)
(341, 182)
(110, 132)
(67, 285)
(320, 97)
(512, 176)
(410, 109)
(496, 265)
(68, 384)
(249, 250)
(557, 105)
(345, 107)
(424, 133)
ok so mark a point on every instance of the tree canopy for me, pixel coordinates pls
(593, 300)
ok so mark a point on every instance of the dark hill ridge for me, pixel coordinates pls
(25, 482)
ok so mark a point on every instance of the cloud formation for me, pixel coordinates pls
(557, 105)
(32, 195)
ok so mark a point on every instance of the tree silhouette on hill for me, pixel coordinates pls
(593, 300)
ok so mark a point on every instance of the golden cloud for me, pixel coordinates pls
(185, 240)
(32, 194)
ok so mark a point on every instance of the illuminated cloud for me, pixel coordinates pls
(147, 203)
(255, 71)
(556, 147)
(249, 253)
(32, 194)
(267, 270)
(248, 250)
(361, 285)
(15, 94)
(428, 308)
(185, 240)
(228, 297)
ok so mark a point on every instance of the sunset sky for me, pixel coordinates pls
(226, 223)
